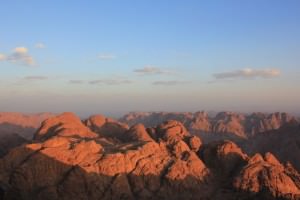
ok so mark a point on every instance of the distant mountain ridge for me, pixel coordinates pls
(240, 125)
(18, 128)
(22, 124)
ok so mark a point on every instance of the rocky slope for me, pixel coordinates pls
(9, 141)
(105, 159)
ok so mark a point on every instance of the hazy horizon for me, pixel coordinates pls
(115, 57)
(118, 115)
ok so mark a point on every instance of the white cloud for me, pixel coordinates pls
(248, 73)
(106, 56)
(19, 55)
(151, 70)
(76, 81)
(40, 46)
(110, 81)
(169, 83)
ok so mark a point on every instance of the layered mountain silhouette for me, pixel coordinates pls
(137, 158)
(22, 124)
(227, 125)
(255, 133)
(18, 128)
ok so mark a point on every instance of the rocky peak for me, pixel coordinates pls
(172, 131)
(200, 122)
(106, 127)
(265, 177)
(194, 143)
(67, 124)
(137, 133)
(230, 123)
(223, 156)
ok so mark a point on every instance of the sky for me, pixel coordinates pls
(116, 56)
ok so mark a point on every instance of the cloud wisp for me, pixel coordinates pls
(152, 70)
(35, 78)
(31, 80)
(19, 55)
(110, 81)
(76, 81)
(169, 83)
(106, 56)
(247, 73)
(40, 46)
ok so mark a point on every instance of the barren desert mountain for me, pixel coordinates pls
(8, 141)
(284, 143)
(200, 122)
(18, 128)
(267, 177)
(151, 119)
(225, 157)
(229, 123)
(106, 126)
(224, 124)
(71, 159)
(127, 81)
(24, 125)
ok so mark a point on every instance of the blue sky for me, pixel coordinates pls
(115, 56)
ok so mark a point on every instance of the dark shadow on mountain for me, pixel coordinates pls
(212, 137)
(9, 141)
(24, 131)
(284, 143)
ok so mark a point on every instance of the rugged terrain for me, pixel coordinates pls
(101, 158)
(254, 133)
(226, 124)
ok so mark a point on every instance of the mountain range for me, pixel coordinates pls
(153, 155)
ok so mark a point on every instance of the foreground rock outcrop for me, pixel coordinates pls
(103, 159)
(284, 143)
(266, 178)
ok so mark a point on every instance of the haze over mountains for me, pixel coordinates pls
(101, 60)
(150, 156)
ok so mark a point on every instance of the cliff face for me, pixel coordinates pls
(104, 159)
